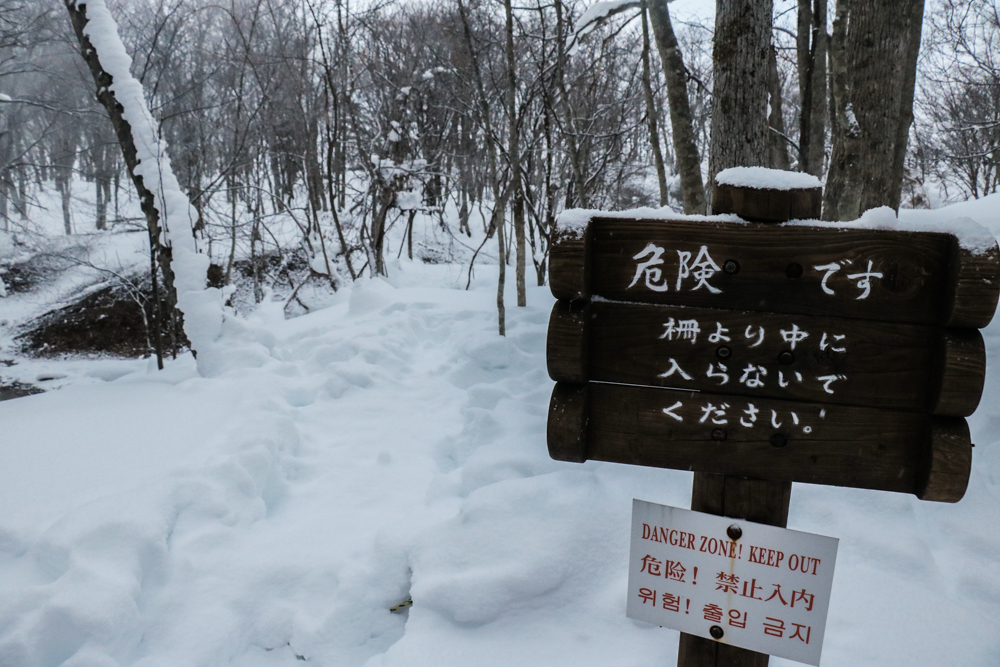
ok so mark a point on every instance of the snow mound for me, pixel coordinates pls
(770, 179)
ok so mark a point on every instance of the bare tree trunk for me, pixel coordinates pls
(64, 184)
(654, 133)
(572, 136)
(811, 48)
(681, 121)
(874, 55)
(776, 138)
(514, 151)
(499, 200)
(123, 131)
(739, 93)
(911, 51)
(102, 203)
(4, 220)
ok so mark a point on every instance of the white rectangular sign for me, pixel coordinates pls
(768, 590)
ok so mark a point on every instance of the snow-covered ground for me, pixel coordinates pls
(389, 447)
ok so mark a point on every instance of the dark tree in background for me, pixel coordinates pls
(739, 96)
(873, 53)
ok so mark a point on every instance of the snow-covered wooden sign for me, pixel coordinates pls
(740, 583)
(810, 268)
(756, 355)
(810, 352)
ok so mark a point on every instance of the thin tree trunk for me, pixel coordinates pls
(838, 193)
(514, 151)
(777, 141)
(911, 51)
(681, 119)
(64, 184)
(739, 92)
(811, 51)
(572, 135)
(498, 199)
(654, 134)
(102, 204)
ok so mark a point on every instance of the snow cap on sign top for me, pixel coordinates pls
(762, 178)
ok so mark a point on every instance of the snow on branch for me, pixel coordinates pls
(601, 11)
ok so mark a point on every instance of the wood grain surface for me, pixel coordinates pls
(770, 439)
(820, 359)
(767, 205)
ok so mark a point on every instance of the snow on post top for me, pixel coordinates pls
(761, 178)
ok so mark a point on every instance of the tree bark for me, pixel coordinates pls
(681, 121)
(776, 138)
(575, 157)
(811, 47)
(739, 93)
(651, 120)
(514, 152)
(499, 200)
(874, 58)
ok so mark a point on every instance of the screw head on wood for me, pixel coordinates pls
(793, 270)
(719, 434)
(723, 352)
(731, 266)
(779, 440)
(716, 632)
(734, 532)
(786, 358)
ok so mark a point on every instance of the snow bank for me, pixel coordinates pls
(771, 179)
(971, 235)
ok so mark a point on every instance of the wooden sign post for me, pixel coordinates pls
(758, 354)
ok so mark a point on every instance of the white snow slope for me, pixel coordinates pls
(394, 446)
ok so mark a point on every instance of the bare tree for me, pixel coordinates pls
(681, 120)
(811, 51)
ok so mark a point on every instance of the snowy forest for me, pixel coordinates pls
(307, 134)
(274, 300)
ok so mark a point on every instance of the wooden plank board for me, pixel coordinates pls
(893, 276)
(770, 439)
(819, 359)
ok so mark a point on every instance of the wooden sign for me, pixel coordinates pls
(758, 355)
(888, 276)
(811, 354)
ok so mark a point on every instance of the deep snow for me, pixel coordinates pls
(392, 445)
